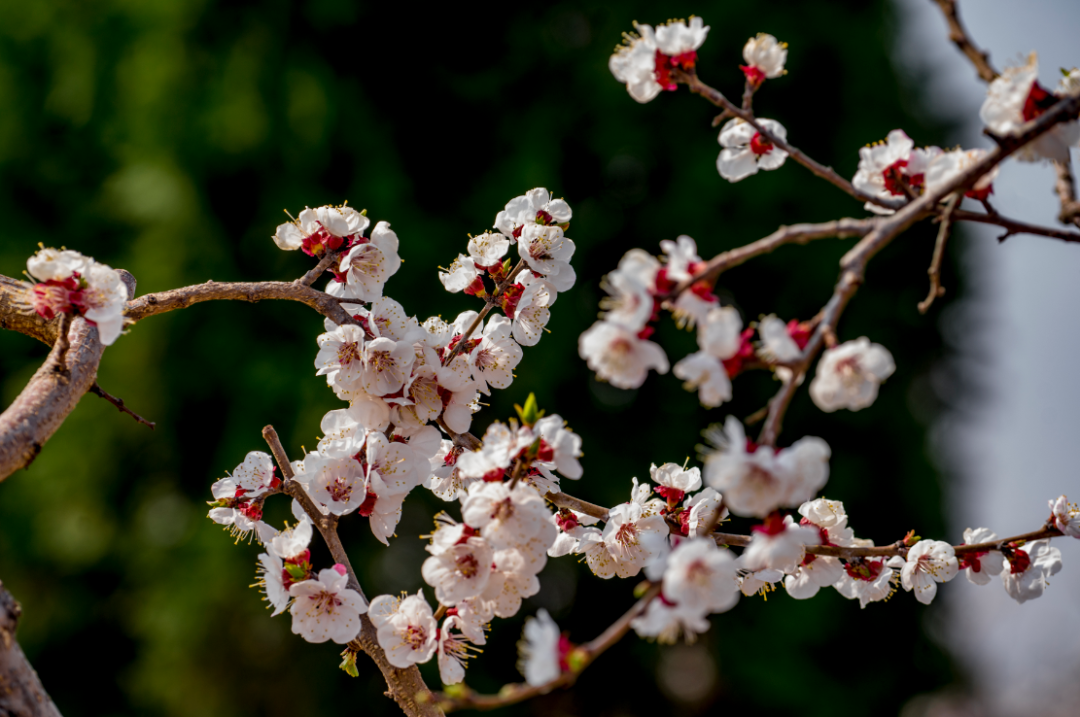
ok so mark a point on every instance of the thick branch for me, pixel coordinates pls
(16, 314)
(406, 687)
(958, 34)
(164, 301)
(1065, 186)
(49, 397)
(21, 692)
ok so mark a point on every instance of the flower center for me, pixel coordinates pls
(760, 145)
(415, 636)
(349, 352)
(467, 566)
(340, 490)
(503, 510)
(626, 536)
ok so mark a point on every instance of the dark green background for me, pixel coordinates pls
(165, 137)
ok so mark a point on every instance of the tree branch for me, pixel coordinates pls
(119, 403)
(488, 306)
(958, 34)
(1013, 226)
(17, 315)
(514, 693)
(827, 173)
(794, 234)
(406, 687)
(21, 691)
(49, 397)
(1066, 191)
(936, 289)
(313, 275)
(164, 301)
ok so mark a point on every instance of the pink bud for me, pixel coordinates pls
(341, 569)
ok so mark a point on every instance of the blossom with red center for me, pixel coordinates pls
(979, 566)
(848, 375)
(1030, 567)
(746, 150)
(646, 61)
(70, 283)
(537, 207)
(765, 58)
(887, 168)
(325, 609)
(322, 229)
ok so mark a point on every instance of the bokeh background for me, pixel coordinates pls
(166, 138)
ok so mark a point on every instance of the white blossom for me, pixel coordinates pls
(618, 356)
(666, 624)
(532, 312)
(325, 609)
(385, 366)
(700, 577)
(700, 509)
(756, 480)
(929, 562)
(461, 274)
(949, 165)
(778, 545)
(677, 37)
(453, 650)
(511, 581)
(565, 445)
(537, 206)
(766, 54)
(367, 266)
(705, 374)
(270, 571)
(538, 650)
(406, 629)
(848, 375)
(493, 361)
(340, 356)
(76, 284)
(681, 258)
(507, 518)
(883, 165)
(746, 150)
(459, 571)
(867, 579)
(1013, 99)
(547, 251)
(1066, 516)
(632, 536)
(979, 567)
(631, 303)
(488, 249)
(336, 481)
(777, 342)
(1027, 582)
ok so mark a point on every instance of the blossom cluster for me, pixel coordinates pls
(618, 348)
(70, 283)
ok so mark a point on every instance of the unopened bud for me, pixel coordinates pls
(577, 659)
(529, 415)
(910, 539)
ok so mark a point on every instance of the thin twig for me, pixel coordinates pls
(1013, 226)
(119, 403)
(587, 654)
(958, 34)
(312, 276)
(827, 173)
(794, 234)
(936, 289)
(488, 306)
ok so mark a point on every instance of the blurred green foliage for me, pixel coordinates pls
(165, 137)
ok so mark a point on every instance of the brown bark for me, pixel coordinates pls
(49, 397)
(21, 692)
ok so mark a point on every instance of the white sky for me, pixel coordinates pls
(1017, 335)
